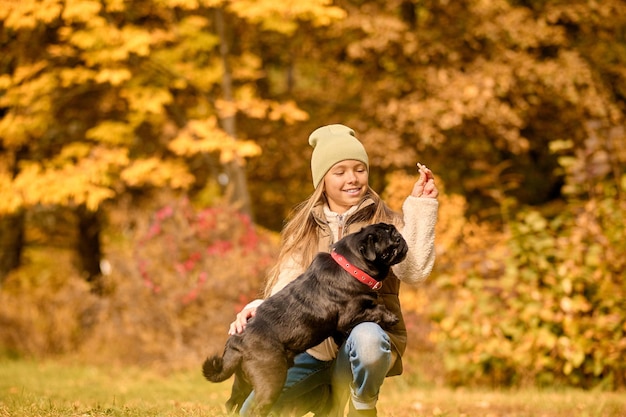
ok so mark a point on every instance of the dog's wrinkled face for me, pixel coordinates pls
(382, 243)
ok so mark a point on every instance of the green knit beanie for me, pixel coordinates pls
(332, 144)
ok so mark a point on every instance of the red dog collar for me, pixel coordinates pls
(356, 272)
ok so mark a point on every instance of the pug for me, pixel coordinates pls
(334, 294)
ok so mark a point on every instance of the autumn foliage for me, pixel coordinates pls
(169, 297)
(146, 147)
(539, 303)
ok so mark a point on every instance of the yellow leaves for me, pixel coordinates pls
(27, 72)
(157, 172)
(81, 75)
(204, 136)
(288, 111)
(184, 4)
(135, 40)
(70, 154)
(248, 67)
(282, 16)
(111, 132)
(26, 14)
(27, 95)
(243, 149)
(113, 76)
(28, 90)
(190, 26)
(102, 43)
(81, 10)
(11, 201)
(247, 103)
(147, 99)
(79, 175)
(572, 352)
(14, 131)
(212, 3)
(114, 5)
(574, 305)
(81, 39)
(204, 78)
(75, 76)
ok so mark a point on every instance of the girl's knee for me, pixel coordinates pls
(370, 343)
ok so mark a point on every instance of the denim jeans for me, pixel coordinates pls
(358, 372)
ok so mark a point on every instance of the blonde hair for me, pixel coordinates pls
(300, 233)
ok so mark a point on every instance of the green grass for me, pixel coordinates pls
(51, 389)
(60, 389)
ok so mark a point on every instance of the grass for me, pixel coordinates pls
(52, 389)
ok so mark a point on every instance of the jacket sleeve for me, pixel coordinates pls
(289, 270)
(420, 217)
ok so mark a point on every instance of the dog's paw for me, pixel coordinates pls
(393, 319)
(388, 319)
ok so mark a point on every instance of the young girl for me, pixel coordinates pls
(326, 376)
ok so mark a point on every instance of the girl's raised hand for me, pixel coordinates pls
(425, 185)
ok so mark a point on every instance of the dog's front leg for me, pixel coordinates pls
(356, 313)
(385, 318)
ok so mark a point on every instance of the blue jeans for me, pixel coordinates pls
(358, 372)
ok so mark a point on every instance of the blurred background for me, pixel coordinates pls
(151, 150)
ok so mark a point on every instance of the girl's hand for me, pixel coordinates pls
(425, 185)
(240, 322)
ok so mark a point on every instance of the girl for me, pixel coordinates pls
(327, 375)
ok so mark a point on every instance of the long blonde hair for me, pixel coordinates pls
(300, 233)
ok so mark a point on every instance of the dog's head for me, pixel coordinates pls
(374, 249)
(382, 244)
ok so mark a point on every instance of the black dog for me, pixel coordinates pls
(327, 300)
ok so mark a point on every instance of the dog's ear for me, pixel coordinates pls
(368, 248)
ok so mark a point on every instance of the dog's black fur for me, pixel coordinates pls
(325, 301)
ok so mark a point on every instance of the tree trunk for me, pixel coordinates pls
(11, 242)
(237, 187)
(88, 247)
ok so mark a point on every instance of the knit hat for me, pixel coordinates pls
(332, 144)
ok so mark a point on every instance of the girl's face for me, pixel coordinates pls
(345, 184)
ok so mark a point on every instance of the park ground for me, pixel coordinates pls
(64, 388)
